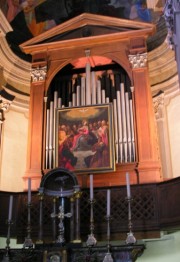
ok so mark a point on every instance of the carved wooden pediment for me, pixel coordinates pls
(87, 29)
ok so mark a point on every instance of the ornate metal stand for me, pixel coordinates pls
(61, 215)
(108, 257)
(7, 249)
(130, 236)
(40, 235)
(91, 241)
(54, 219)
(28, 241)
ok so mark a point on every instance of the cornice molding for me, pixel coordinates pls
(15, 71)
(5, 27)
(162, 64)
(20, 102)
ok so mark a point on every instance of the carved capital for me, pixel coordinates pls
(38, 73)
(138, 60)
(158, 102)
(4, 106)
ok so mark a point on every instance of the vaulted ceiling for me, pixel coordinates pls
(24, 20)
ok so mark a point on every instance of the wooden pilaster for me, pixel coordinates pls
(35, 135)
(148, 167)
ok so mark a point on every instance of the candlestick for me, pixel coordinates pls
(128, 186)
(130, 236)
(29, 190)
(91, 241)
(10, 208)
(108, 202)
(91, 187)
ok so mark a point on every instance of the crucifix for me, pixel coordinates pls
(61, 216)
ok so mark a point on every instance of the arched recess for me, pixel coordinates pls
(106, 82)
(118, 58)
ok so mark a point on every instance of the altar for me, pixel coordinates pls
(66, 241)
(75, 253)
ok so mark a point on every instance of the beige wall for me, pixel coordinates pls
(13, 151)
(173, 112)
(165, 249)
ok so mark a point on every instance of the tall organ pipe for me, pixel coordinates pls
(88, 84)
(47, 137)
(124, 131)
(128, 126)
(51, 129)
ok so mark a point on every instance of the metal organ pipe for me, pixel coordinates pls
(98, 91)
(78, 95)
(47, 138)
(124, 129)
(128, 125)
(54, 121)
(93, 81)
(95, 88)
(51, 134)
(132, 128)
(83, 91)
(88, 84)
(119, 126)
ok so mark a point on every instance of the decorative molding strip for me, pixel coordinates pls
(4, 25)
(4, 106)
(138, 60)
(161, 64)
(158, 102)
(15, 70)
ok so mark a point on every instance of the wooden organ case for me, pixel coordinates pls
(68, 62)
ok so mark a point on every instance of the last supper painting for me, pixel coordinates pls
(84, 139)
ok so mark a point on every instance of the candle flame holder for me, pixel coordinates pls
(91, 241)
(108, 257)
(130, 236)
(28, 243)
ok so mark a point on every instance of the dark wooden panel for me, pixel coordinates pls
(154, 207)
(169, 203)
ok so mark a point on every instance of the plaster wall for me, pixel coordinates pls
(173, 113)
(162, 250)
(13, 151)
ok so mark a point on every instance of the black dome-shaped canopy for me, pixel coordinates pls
(59, 182)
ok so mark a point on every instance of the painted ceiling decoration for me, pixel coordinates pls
(172, 7)
(30, 18)
(22, 20)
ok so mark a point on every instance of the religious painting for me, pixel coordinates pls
(84, 139)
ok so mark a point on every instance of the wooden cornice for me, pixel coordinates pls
(41, 44)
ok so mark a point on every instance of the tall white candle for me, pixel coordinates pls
(10, 208)
(128, 185)
(29, 190)
(108, 202)
(91, 187)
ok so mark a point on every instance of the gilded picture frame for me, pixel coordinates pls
(85, 139)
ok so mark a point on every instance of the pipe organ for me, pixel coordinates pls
(123, 43)
(91, 88)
